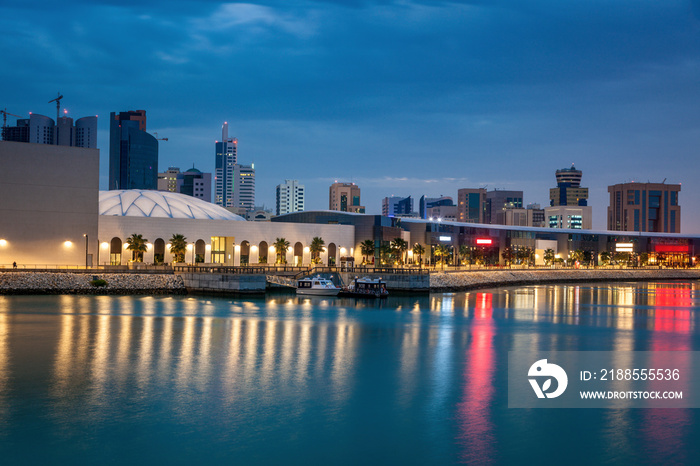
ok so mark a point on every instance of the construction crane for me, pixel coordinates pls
(4, 116)
(159, 139)
(58, 105)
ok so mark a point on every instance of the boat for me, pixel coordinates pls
(366, 287)
(317, 286)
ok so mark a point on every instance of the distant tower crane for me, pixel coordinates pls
(58, 105)
(4, 116)
(159, 139)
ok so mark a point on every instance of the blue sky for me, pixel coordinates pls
(400, 97)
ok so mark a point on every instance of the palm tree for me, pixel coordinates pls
(281, 245)
(384, 253)
(367, 249)
(137, 246)
(605, 257)
(464, 252)
(442, 253)
(548, 256)
(399, 245)
(419, 250)
(577, 255)
(178, 247)
(316, 247)
(508, 255)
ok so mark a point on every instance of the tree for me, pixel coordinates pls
(643, 258)
(137, 246)
(281, 245)
(399, 245)
(419, 250)
(442, 253)
(367, 249)
(605, 257)
(464, 252)
(316, 247)
(577, 255)
(384, 253)
(178, 247)
(548, 256)
(508, 255)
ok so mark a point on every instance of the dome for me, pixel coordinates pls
(160, 204)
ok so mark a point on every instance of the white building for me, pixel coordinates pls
(290, 197)
(244, 186)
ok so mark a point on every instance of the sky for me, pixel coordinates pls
(400, 97)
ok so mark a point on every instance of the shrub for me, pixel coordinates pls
(99, 282)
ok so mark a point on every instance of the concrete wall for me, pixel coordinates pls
(48, 195)
(223, 283)
(394, 282)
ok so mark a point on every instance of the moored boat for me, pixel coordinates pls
(317, 286)
(366, 287)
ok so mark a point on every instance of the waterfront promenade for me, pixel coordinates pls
(183, 279)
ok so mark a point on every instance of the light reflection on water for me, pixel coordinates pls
(303, 379)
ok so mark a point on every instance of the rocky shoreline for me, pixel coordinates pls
(79, 283)
(463, 281)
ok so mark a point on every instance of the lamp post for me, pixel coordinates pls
(86, 250)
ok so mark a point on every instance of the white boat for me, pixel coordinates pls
(317, 286)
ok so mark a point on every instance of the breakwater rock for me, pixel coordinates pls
(79, 283)
(456, 281)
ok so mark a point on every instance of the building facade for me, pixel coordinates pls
(167, 180)
(427, 203)
(651, 207)
(570, 217)
(195, 183)
(226, 157)
(568, 190)
(244, 186)
(290, 197)
(345, 197)
(497, 201)
(471, 205)
(397, 206)
(40, 129)
(133, 153)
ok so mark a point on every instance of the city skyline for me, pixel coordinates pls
(401, 98)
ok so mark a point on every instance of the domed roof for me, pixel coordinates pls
(161, 204)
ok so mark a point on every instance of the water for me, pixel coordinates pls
(281, 379)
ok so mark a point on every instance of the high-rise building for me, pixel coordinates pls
(345, 197)
(497, 201)
(426, 204)
(290, 197)
(226, 158)
(133, 153)
(568, 216)
(167, 181)
(40, 129)
(568, 190)
(533, 216)
(650, 207)
(195, 183)
(471, 205)
(244, 186)
(397, 206)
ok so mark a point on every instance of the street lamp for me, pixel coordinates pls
(86, 250)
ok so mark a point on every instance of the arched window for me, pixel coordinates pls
(262, 252)
(159, 251)
(245, 253)
(298, 254)
(199, 249)
(332, 251)
(115, 251)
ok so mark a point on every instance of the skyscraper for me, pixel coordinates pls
(290, 197)
(497, 201)
(651, 207)
(133, 153)
(471, 205)
(244, 186)
(345, 197)
(568, 190)
(226, 158)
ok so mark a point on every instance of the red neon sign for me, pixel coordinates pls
(484, 241)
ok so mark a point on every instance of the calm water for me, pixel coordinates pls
(417, 380)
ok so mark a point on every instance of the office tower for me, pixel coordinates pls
(345, 197)
(533, 216)
(226, 158)
(244, 186)
(428, 203)
(290, 197)
(397, 206)
(567, 216)
(133, 153)
(497, 201)
(40, 129)
(568, 190)
(471, 205)
(167, 181)
(85, 132)
(194, 183)
(651, 207)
